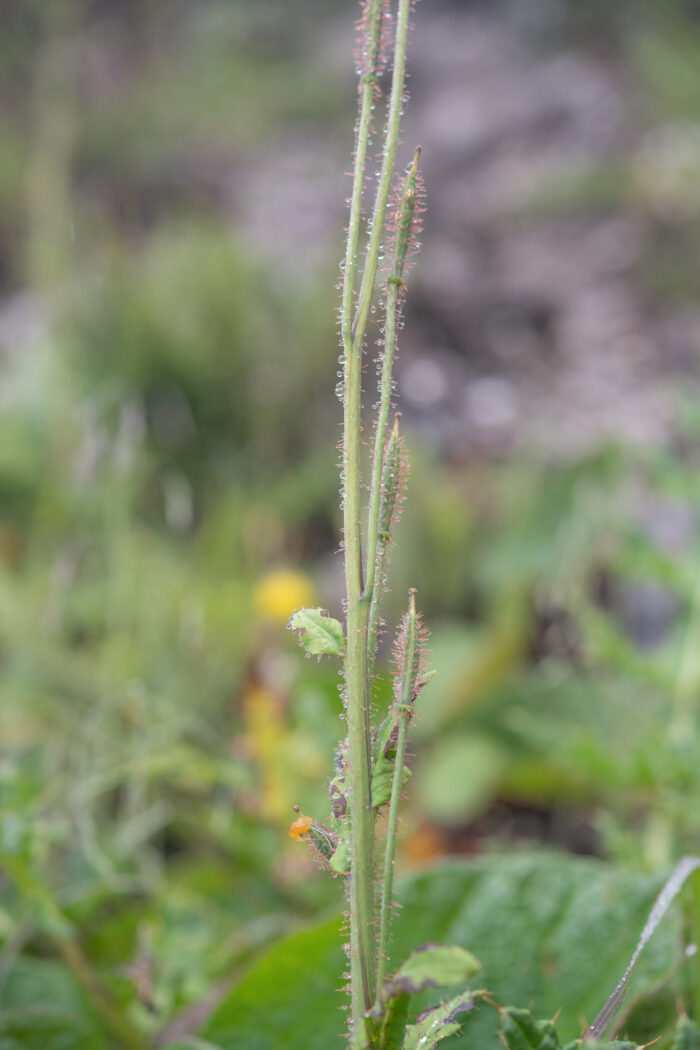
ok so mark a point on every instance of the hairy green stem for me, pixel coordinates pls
(362, 898)
(384, 186)
(361, 817)
(370, 589)
(404, 710)
(368, 84)
(59, 930)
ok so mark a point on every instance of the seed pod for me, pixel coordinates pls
(410, 658)
(404, 222)
(394, 472)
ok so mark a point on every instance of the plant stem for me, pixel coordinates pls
(391, 136)
(367, 89)
(362, 899)
(370, 589)
(404, 709)
(361, 817)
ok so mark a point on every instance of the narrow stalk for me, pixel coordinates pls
(368, 85)
(376, 545)
(362, 821)
(58, 929)
(404, 709)
(371, 591)
(388, 159)
(384, 510)
(380, 434)
(361, 817)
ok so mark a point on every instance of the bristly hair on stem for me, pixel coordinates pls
(410, 655)
(347, 844)
(354, 313)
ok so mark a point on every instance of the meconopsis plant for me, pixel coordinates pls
(370, 762)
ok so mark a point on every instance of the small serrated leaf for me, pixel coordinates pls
(430, 966)
(522, 1032)
(435, 965)
(439, 1022)
(319, 633)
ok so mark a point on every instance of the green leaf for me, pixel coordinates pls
(41, 1008)
(319, 633)
(438, 1023)
(382, 780)
(430, 966)
(290, 1000)
(435, 965)
(522, 1032)
(552, 932)
(687, 1035)
(384, 762)
(340, 861)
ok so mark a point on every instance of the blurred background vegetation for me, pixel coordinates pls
(171, 212)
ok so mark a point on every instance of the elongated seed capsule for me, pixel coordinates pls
(410, 659)
(404, 219)
(394, 471)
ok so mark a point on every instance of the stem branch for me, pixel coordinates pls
(404, 711)
(361, 818)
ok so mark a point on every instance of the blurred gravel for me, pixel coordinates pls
(529, 325)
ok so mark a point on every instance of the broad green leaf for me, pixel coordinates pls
(670, 890)
(687, 1035)
(552, 933)
(318, 632)
(290, 1000)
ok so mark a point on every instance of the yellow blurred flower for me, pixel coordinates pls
(279, 593)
